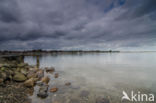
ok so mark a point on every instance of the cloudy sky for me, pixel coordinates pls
(78, 24)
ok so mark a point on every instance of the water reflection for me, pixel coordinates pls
(100, 74)
(37, 62)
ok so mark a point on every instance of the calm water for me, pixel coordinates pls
(94, 75)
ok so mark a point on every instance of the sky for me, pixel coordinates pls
(78, 24)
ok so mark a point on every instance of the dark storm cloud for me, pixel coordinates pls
(77, 24)
(9, 11)
(138, 8)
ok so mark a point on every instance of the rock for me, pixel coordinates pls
(39, 83)
(30, 91)
(33, 68)
(19, 77)
(45, 79)
(54, 89)
(2, 69)
(24, 71)
(1, 80)
(43, 91)
(22, 65)
(1, 65)
(68, 83)
(51, 69)
(8, 73)
(56, 75)
(13, 65)
(29, 83)
(18, 70)
(102, 100)
(3, 75)
(40, 74)
(31, 74)
(6, 65)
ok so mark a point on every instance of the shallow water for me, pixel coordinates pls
(98, 74)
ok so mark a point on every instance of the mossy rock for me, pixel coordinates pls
(2, 68)
(19, 77)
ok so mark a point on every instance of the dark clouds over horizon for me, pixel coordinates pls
(78, 24)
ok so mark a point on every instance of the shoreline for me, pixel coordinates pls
(18, 79)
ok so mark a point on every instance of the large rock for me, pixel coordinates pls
(30, 82)
(45, 79)
(19, 77)
(43, 91)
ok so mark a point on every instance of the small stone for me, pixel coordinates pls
(45, 79)
(51, 69)
(21, 65)
(31, 74)
(56, 75)
(40, 74)
(3, 75)
(54, 89)
(39, 83)
(68, 83)
(1, 80)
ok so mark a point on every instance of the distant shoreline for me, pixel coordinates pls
(31, 52)
(39, 52)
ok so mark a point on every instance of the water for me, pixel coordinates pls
(98, 74)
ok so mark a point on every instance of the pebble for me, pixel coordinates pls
(54, 89)
(56, 75)
(68, 83)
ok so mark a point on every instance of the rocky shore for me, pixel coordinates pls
(17, 80)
